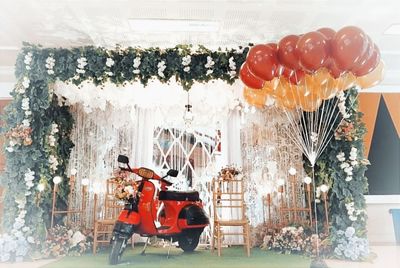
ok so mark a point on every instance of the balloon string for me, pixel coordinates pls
(315, 209)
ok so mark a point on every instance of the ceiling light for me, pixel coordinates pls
(173, 25)
(393, 29)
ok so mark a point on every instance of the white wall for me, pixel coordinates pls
(380, 224)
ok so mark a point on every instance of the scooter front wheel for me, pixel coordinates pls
(117, 248)
(189, 240)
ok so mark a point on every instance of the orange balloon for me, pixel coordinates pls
(329, 89)
(254, 97)
(373, 78)
(282, 88)
(310, 103)
(321, 76)
(286, 103)
(346, 81)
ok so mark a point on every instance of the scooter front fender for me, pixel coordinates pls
(129, 217)
(122, 230)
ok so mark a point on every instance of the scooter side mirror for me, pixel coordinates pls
(123, 159)
(172, 173)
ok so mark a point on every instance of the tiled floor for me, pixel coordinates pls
(387, 257)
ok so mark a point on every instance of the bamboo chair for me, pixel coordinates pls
(105, 220)
(228, 196)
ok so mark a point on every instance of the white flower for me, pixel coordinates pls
(344, 165)
(26, 123)
(50, 62)
(186, 60)
(25, 229)
(109, 73)
(28, 60)
(57, 179)
(10, 149)
(186, 69)
(136, 62)
(82, 62)
(349, 178)
(41, 187)
(292, 171)
(354, 163)
(53, 162)
(232, 74)
(28, 113)
(307, 180)
(349, 170)
(161, 67)
(12, 143)
(52, 141)
(353, 218)
(210, 63)
(232, 64)
(341, 157)
(85, 182)
(209, 71)
(129, 189)
(314, 137)
(29, 175)
(25, 104)
(318, 192)
(324, 188)
(73, 171)
(136, 71)
(109, 62)
(30, 239)
(76, 238)
(25, 83)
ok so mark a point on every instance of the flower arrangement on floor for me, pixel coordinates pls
(62, 241)
(291, 240)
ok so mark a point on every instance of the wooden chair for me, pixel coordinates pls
(228, 197)
(105, 220)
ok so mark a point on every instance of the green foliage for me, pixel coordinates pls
(328, 171)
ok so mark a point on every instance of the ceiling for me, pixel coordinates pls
(65, 23)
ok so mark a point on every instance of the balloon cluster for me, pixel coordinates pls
(302, 71)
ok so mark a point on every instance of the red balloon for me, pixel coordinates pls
(334, 70)
(370, 64)
(274, 46)
(366, 55)
(348, 46)
(262, 61)
(296, 77)
(250, 79)
(328, 33)
(312, 50)
(287, 52)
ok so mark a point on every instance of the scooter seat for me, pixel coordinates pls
(179, 196)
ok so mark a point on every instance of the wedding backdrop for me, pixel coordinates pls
(293, 134)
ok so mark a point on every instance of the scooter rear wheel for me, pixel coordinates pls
(189, 240)
(117, 248)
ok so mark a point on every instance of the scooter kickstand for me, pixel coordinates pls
(169, 248)
(145, 246)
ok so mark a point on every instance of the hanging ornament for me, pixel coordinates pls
(188, 117)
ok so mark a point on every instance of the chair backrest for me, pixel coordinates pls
(112, 206)
(228, 198)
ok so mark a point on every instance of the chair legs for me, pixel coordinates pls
(95, 238)
(216, 239)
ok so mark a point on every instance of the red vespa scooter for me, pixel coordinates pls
(180, 215)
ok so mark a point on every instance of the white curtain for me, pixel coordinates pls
(231, 156)
(230, 140)
(142, 154)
